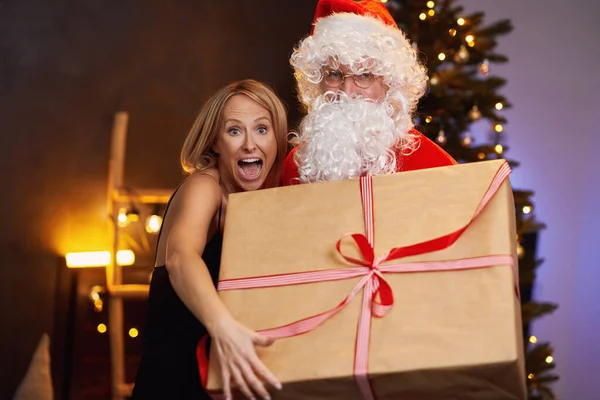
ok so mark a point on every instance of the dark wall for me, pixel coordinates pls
(65, 68)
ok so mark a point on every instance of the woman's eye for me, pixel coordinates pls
(262, 130)
(335, 74)
(365, 75)
(234, 131)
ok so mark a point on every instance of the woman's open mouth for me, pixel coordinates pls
(250, 168)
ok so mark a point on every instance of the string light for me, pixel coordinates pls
(549, 359)
(499, 149)
(422, 16)
(526, 209)
(122, 217)
(153, 223)
(98, 305)
(441, 56)
(530, 376)
(532, 339)
(441, 138)
(471, 44)
(431, 13)
(469, 38)
(133, 332)
(481, 156)
(428, 119)
(498, 128)
(434, 79)
(467, 140)
(101, 328)
(461, 21)
(499, 106)
(430, 4)
(452, 32)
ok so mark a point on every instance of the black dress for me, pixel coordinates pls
(168, 368)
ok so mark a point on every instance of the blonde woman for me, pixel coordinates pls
(237, 143)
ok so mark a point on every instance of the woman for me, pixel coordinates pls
(237, 143)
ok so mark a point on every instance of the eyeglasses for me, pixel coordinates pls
(335, 78)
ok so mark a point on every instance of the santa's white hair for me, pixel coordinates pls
(362, 43)
(344, 137)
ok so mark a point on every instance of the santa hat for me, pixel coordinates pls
(362, 35)
(372, 8)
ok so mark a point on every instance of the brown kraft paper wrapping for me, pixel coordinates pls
(450, 335)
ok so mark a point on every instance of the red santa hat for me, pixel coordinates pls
(371, 8)
(362, 35)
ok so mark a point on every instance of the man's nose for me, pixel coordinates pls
(349, 86)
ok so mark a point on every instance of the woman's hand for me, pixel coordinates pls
(240, 365)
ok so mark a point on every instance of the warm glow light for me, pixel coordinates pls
(428, 119)
(95, 296)
(549, 359)
(498, 128)
(481, 156)
(469, 38)
(431, 13)
(153, 224)
(98, 258)
(101, 328)
(125, 257)
(430, 4)
(133, 332)
(499, 149)
(533, 339)
(526, 209)
(122, 217)
(441, 56)
(384, 1)
(88, 259)
(452, 32)
(422, 16)
(499, 106)
(530, 376)
(460, 21)
(471, 44)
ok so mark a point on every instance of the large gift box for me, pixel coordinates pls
(393, 287)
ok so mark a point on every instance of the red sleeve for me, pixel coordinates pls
(289, 174)
(427, 155)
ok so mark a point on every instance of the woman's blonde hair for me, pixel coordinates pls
(197, 154)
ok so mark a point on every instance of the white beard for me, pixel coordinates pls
(345, 137)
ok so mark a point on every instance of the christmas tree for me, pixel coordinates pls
(458, 51)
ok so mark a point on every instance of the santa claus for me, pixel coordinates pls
(359, 80)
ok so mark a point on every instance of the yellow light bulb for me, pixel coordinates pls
(460, 21)
(498, 128)
(153, 223)
(441, 56)
(101, 328)
(452, 32)
(499, 106)
(549, 359)
(481, 156)
(125, 257)
(133, 332)
(428, 119)
(499, 149)
(422, 16)
(526, 209)
(471, 44)
(532, 339)
(530, 376)
(431, 13)
(469, 38)
(430, 4)
(122, 217)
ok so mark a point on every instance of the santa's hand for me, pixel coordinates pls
(240, 366)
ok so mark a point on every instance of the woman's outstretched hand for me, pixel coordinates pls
(240, 366)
